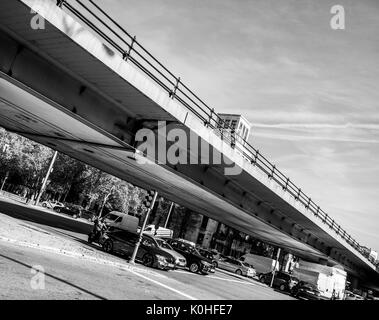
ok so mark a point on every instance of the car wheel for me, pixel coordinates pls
(262, 279)
(74, 216)
(44, 205)
(148, 260)
(282, 287)
(57, 209)
(108, 246)
(194, 267)
(215, 264)
(239, 272)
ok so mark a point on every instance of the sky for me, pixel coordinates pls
(310, 92)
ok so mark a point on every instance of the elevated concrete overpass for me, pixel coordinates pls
(79, 87)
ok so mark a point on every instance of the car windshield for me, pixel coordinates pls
(206, 254)
(163, 244)
(111, 217)
(193, 250)
(247, 265)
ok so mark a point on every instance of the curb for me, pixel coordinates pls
(123, 266)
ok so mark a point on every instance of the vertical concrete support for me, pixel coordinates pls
(354, 283)
(193, 227)
(210, 230)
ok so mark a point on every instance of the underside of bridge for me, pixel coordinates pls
(62, 87)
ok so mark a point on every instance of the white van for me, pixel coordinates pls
(122, 221)
(261, 264)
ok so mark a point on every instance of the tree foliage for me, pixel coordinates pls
(27, 162)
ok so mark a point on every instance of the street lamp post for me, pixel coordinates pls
(46, 177)
(5, 179)
(169, 214)
(132, 260)
(105, 200)
(273, 271)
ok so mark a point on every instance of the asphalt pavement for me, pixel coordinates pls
(73, 278)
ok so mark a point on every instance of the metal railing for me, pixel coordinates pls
(131, 50)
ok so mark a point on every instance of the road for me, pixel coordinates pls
(73, 278)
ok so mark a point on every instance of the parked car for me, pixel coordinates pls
(233, 265)
(180, 260)
(195, 261)
(89, 215)
(261, 264)
(209, 255)
(149, 253)
(216, 257)
(72, 210)
(55, 205)
(282, 280)
(352, 296)
(306, 290)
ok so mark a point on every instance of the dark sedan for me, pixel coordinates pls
(149, 253)
(72, 210)
(282, 280)
(305, 290)
(195, 261)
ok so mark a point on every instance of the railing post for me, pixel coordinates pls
(298, 194)
(126, 55)
(254, 161)
(60, 3)
(317, 211)
(286, 186)
(271, 175)
(308, 204)
(173, 92)
(210, 117)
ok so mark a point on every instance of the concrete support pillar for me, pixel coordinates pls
(354, 283)
(210, 230)
(193, 227)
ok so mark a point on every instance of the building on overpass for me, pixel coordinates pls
(237, 128)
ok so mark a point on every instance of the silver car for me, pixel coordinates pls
(233, 265)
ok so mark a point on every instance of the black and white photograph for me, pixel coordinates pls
(189, 150)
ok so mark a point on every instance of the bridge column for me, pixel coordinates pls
(354, 282)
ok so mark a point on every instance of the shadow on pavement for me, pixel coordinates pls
(24, 212)
(55, 278)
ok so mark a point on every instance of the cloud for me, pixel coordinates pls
(373, 126)
(313, 137)
(309, 91)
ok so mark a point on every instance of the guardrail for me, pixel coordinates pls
(134, 52)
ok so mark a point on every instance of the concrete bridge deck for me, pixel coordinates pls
(67, 88)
